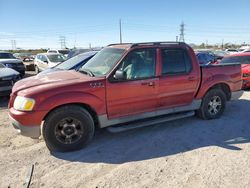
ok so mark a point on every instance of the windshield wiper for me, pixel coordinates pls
(86, 71)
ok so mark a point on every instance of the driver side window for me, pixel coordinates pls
(139, 64)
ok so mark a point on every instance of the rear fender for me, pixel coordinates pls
(211, 81)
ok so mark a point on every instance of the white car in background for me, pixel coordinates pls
(47, 60)
(247, 50)
(231, 51)
(64, 52)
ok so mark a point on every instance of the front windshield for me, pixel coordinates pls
(103, 61)
(236, 59)
(56, 58)
(6, 56)
(66, 65)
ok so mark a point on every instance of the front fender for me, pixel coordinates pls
(97, 103)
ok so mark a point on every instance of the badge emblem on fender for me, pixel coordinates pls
(96, 84)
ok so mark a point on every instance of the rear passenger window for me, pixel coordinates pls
(175, 61)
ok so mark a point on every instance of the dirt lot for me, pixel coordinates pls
(184, 153)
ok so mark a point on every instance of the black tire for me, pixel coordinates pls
(213, 104)
(68, 121)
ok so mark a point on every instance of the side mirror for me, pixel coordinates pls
(120, 75)
(46, 61)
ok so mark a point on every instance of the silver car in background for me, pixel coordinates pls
(47, 60)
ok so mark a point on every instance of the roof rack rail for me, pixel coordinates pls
(120, 44)
(156, 43)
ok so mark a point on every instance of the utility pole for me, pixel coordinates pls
(120, 26)
(176, 38)
(62, 40)
(181, 39)
(13, 44)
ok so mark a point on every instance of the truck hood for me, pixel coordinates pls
(55, 78)
(10, 61)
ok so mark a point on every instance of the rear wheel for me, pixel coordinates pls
(68, 128)
(213, 104)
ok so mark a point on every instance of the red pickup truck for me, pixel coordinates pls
(124, 86)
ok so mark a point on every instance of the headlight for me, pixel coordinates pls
(9, 65)
(246, 74)
(24, 104)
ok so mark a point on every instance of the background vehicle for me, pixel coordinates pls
(75, 52)
(73, 63)
(232, 51)
(205, 58)
(11, 62)
(47, 60)
(244, 60)
(220, 54)
(28, 60)
(245, 51)
(8, 77)
(64, 52)
(24, 56)
(124, 86)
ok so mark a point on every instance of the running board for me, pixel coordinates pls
(157, 120)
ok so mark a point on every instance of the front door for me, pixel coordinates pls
(137, 93)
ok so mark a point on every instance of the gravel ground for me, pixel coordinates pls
(184, 153)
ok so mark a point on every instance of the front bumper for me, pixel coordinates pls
(5, 91)
(236, 94)
(29, 131)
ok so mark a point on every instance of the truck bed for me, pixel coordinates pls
(229, 74)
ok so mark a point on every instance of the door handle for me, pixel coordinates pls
(191, 78)
(148, 84)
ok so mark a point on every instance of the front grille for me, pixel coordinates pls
(18, 65)
(4, 83)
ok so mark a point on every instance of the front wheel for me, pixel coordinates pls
(37, 69)
(68, 128)
(213, 104)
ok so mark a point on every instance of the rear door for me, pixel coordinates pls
(179, 78)
(138, 92)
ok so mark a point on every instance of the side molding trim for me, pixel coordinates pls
(105, 122)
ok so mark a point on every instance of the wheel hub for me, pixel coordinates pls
(214, 105)
(68, 130)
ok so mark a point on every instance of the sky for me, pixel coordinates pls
(40, 23)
